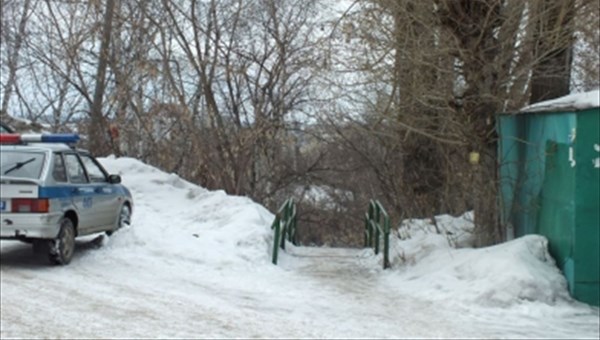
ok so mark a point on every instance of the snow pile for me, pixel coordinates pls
(184, 221)
(195, 230)
(191, 228)
(497, 276)
(458, 231)
(575, 101)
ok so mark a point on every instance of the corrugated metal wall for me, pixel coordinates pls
(549, 186)
(587, 208)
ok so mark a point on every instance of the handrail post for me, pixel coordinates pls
(367, 234)
(285, 227)
(377, 219)
(377, 226)
(292, 231)
(377, 234)
(276, 226)
(386, 243)
(372, 231)
(282, 237)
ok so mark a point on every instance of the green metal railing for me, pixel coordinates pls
(285, 227)
(377, 226)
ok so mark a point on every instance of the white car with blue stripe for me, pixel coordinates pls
(50, 193)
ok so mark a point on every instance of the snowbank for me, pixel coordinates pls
(458, 231)
(497, 276)
(190, 226)
(437, 261)
(180, 219)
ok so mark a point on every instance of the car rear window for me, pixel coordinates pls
(5, 129)
(21, 164)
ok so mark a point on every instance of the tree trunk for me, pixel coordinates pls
(474, 26)
(97, 129)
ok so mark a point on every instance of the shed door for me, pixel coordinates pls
(557, 207)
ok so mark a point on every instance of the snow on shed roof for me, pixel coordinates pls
(571, 102)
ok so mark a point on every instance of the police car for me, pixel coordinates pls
(51, 192)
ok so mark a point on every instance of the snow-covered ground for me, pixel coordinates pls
(196, 264)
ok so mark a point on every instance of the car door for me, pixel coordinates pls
(79, 191)
(86, 196)
(106, 196)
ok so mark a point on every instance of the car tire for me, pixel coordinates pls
(124, 219)
(63, 247)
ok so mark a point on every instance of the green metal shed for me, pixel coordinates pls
(549, 159)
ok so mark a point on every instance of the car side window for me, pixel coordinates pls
(94, 171)
(75, 169)
(58, 171)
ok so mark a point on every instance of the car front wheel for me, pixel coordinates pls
(63, 247)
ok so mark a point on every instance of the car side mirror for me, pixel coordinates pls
(114, 179)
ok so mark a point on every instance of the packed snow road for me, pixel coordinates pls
(317, 299)
(196, 264)
(324, 293)
(317, 293)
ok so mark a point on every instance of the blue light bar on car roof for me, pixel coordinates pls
(60, 138)
(40, 138)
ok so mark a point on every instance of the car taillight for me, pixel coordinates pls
(30, 205)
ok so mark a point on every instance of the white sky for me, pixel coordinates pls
(196, 264)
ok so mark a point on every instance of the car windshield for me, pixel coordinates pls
(21, 164)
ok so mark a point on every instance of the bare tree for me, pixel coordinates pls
(97, 129)
(249, 78)
(437, 73)
(554, 30)
(586, 61)
(13, 39)
(54, 84)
